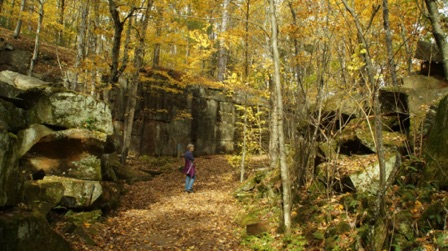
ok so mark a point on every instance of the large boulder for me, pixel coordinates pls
(355, 173)
(436, 148)
(13, 59)
(42, 197)
(54, 105)
(424, 94)
(357, 138)
(9, 171)
(71, 110)
(366, 173)
(12, 118)
(72, 153)
(13, 86)
(24, 230)
(78, 194)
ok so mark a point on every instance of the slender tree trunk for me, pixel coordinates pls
(19, 22)
(407, 49)
(222, 57)
(115, 70)
(378, 134)
(8, 21)
(94, 47)
(284, 171)
(246, 42)
(125, 60)
(244, 150)
(132, 97)
(438, 33)
(390, 52)
(298, 72)
(81, 42)
(273, 139)
(37, 41)
(61, 7)
(157, 46)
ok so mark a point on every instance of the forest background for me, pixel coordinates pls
(297, 53)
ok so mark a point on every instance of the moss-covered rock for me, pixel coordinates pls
(77, 193)
(423, 93)
(42, 196)
(366, 178)
(109, 163)
(9, 170)
(71, 153)
(403, 224)
(12, 118)
(80, 218)
(436, 148)
(71, 110)
(110, 197)
(24, 231)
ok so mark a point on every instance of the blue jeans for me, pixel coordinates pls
(189, 183)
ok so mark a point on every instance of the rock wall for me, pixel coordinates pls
(168, 117)
(52, 143)
(436, 148)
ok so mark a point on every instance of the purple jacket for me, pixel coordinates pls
(189, 168)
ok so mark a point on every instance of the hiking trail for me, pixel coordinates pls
(159, 215)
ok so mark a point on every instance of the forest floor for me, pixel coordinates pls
(159, 215)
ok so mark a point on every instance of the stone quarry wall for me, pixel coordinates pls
(168, 118)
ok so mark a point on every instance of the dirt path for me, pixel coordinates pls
(159, 215)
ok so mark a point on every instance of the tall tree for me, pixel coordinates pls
(378, 135)
(115, 69)
(439, 34)
(222, 55)
(132, 97)
(278, 106)
(60, 36)
(390, 52)
(37, 40)
(81, 41)
(158, 33)
(19, 22)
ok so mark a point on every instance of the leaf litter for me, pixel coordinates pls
(159, 215)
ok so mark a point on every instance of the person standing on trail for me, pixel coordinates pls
(189, 168)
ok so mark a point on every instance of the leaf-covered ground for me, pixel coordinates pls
(159, 215)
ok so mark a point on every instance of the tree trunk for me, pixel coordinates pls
(273, 139)
(37, 41)
(438, 33)
(81, 42)
(284, 171)
(378, 134)
(19, 22)
(94, 48)
(132, 97)
(61, 7)
(246, 42)
(408, 50)
(244, 150)
(116, 42)
(8, 21)
(390, 53)
(115, 70)
(222, 57)
(157, 46)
